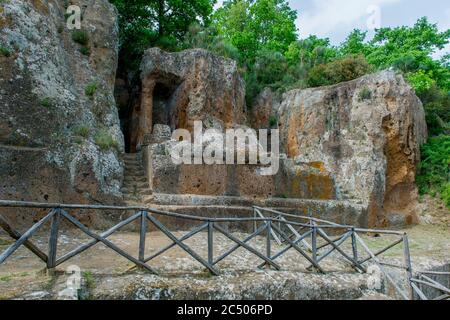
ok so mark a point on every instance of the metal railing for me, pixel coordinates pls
(309, 237)
(423, 279)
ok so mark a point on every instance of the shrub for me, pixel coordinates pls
(105, 141)
(90, 89)
(85, 51)
(80, 37)
(434, 172)
(4, 51)
(272, 121)
(46, 102)
(345, 69)
(365, 94)
(445, 194)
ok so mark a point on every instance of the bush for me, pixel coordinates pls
(105, 141)
(434, 172)
(80, 37)
(345, 69)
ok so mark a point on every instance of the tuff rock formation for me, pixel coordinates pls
(180, 88)
(59, 130)
(348, 152)
(367, 133)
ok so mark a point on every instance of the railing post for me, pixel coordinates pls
(53, 240)
(279, 222)
(408, 266)
(314, 243)
(255, 226)
(210, 243)
(142, 237)
(268, 243)
(354, 245)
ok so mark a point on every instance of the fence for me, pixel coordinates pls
(302, 236)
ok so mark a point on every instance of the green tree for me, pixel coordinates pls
(410, 50)
(355, 43)
(434, 175)
(310, 52)
(145, 23)
(208, 38)
(255, 25)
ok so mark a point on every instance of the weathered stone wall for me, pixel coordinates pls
(50, 127)
(180, 88)
(241, 180)
(367, 132)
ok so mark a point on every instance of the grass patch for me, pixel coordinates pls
(88, 279)
(80, 37)
(5, 52)
(105, 141)
(5, 278)
(90, 89)
(85, 51)
(46, 102)
(89, 284)
(82, 131)
(365, 94)
(272, 121)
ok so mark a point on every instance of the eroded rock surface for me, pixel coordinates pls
(367, 132)
(180, 88)
(59, 128)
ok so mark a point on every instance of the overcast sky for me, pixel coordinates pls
(335, 19)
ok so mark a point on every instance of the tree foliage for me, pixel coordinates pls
(253, 26)
(163, 23)
(434, 176)
(339, 70)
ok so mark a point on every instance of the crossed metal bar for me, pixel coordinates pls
(279, 228)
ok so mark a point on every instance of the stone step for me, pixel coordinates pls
(142, 191)
(132, 163)
(134, 172)
(135, 179)
(130, 155)
(135, 187)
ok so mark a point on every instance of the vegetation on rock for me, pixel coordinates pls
(105, 141)
(80, 37)
(5, 52)
(90, 89)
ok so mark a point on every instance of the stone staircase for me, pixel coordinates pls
(135, 184)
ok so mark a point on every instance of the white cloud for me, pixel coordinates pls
(326, 17)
